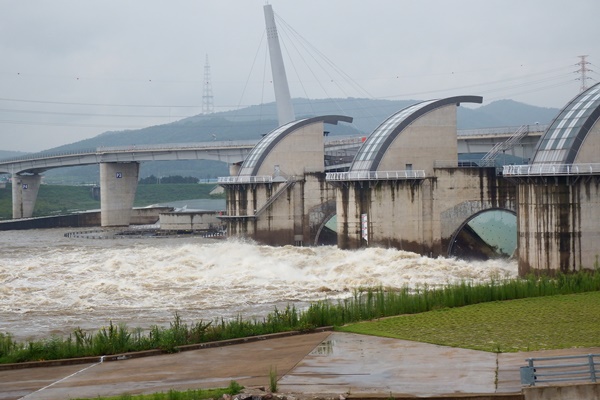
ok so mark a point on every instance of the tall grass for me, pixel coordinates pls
(363, 305)
(199, 394)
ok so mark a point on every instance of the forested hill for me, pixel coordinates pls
(254, 121)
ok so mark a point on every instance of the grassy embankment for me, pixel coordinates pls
(199, 394)
(552, 313)
(59, 199)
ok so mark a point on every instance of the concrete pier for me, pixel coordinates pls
(558, 224)
(119, 183)
(418, 215)
(279, 195)
(25, 189)
(558, 193)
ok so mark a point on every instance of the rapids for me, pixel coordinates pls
(50, 284)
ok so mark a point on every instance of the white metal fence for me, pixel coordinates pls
(551, 169)
(561, 369)
(374, 175)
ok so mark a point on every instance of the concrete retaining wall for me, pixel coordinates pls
(294, 217)
(558, 224)
(139, 216)
(589, 391)
(419, 215)
(189, 221)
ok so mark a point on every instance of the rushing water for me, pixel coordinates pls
(51, 284)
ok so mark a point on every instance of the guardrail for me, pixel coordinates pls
(461, 164)
(541, 370)
(504, 130)
(245, 179)
(348, 140)
(374, 175)
(132, 148)
(178, 146)
(41, 156)
(551, 169)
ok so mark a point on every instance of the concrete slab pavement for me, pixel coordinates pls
(359, 365)
(317, 364)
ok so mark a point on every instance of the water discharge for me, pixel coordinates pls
(50, 284)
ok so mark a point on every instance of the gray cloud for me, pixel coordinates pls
(63, 59)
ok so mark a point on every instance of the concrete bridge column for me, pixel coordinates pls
(24, 194)
(118, 183)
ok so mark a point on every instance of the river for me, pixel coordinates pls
(52, 284)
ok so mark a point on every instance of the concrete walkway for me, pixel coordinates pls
(330, 363)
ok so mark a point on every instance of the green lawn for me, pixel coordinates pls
(63, 199)
(551, 322)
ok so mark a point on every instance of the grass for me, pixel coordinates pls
(198, 394)
(365, 305)
(273, 379)
(62, 199)
(540, 323)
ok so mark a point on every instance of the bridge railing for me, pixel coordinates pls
(561, 369)
(504, 130)
(42, 155)
(374, 175)
(462, 164)
(245, 179)
(551, 169)
(177, 146)
(130, 148)
(348, 140)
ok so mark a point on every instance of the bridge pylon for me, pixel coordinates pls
(118, 182)
(25, 189)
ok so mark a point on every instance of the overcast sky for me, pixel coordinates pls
(72, 69)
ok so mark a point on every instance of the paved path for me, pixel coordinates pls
(331, 363)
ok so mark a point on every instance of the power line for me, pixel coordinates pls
(98, 104)
(91, 114)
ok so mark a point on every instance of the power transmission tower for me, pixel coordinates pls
(583, 70)
(208, 106)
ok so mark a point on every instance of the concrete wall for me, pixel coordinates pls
(590, 391)
(422, 215)
(139, 216)
(558, 223)
(298, 152)
(190, 221)
(295, 217)
(147, 216)
(590, 148)
(429, 138)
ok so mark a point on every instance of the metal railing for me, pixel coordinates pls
(345, 140)
(504, 130)
(374, 175)
(178, 146)
(132, 148)
(41, 156)
(245, 179)
(461, 164)
(570, 368)
(551, 169)
(508, 144)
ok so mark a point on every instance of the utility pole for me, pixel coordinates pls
(208, 106)
(583, 70)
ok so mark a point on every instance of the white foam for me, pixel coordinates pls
(52, 284)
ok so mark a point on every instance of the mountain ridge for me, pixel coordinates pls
(253, 122)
